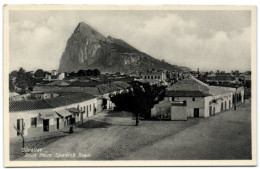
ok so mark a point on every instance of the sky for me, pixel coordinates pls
(208, 40)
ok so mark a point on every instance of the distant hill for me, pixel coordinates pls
(88, 49)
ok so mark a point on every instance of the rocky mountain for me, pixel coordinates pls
(88, 49)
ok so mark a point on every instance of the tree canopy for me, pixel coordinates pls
(24, 80)
(88, 72)
(39, 73)
(14, 73)
(139, 99)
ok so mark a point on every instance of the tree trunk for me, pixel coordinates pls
(23, 140)
(137, 119)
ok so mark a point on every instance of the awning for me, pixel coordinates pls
(63, 113)
(74, 111)
(106, 96)
(48, 115)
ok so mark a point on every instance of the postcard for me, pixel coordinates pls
(129, 85)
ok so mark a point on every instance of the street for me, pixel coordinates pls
(113, 136)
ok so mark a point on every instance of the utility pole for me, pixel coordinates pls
(235, 103)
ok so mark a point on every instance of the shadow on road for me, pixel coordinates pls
(122, 114)
(94, 124)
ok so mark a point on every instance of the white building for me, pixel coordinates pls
(54, 72)
(54, 76)
(153, 77)
(191, 98)
(47, 115)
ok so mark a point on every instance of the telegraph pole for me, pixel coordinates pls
(235, 103)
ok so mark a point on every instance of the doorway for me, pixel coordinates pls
(58, 123)
(87, 111)
(72, 121)
(196, 112)
(210, 111)
(46, 125)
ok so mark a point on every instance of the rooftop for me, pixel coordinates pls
(58, 83)
(178, 93)
(25, 105)
(108, 88)
(66, 99)
(216, 90)
(89, 90)
(189, 84)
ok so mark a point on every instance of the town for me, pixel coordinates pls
(49, 106)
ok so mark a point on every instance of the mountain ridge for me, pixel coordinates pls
(88, 49)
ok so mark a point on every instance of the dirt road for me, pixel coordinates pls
(113, 136)
(224, 136)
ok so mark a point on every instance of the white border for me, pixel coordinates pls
(238, 2)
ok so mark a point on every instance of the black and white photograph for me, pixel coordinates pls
(129, 85)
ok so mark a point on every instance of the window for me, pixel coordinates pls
(34, 122)
(144, 77)
(89, 107)
(151, 77)
(193, 99)
(158, 77)
(172, 98)
(148, 77)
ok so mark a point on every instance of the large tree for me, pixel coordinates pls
(24, 80)
(139, 99)
(96, 72)
(11, 85)
(39, 73)
(13, 73)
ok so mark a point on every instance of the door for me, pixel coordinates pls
(58, 123)
(210, 111)
(196, 113)
(72, 121)
(104, 103)
(81, 116)
(87, 111)
(46, 125)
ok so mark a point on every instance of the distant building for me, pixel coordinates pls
(54, 76)
(43, 95)
(16, 97)
(220, 78)
(101, 92)
(153, 77)
(247, 79)
(54, 72)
